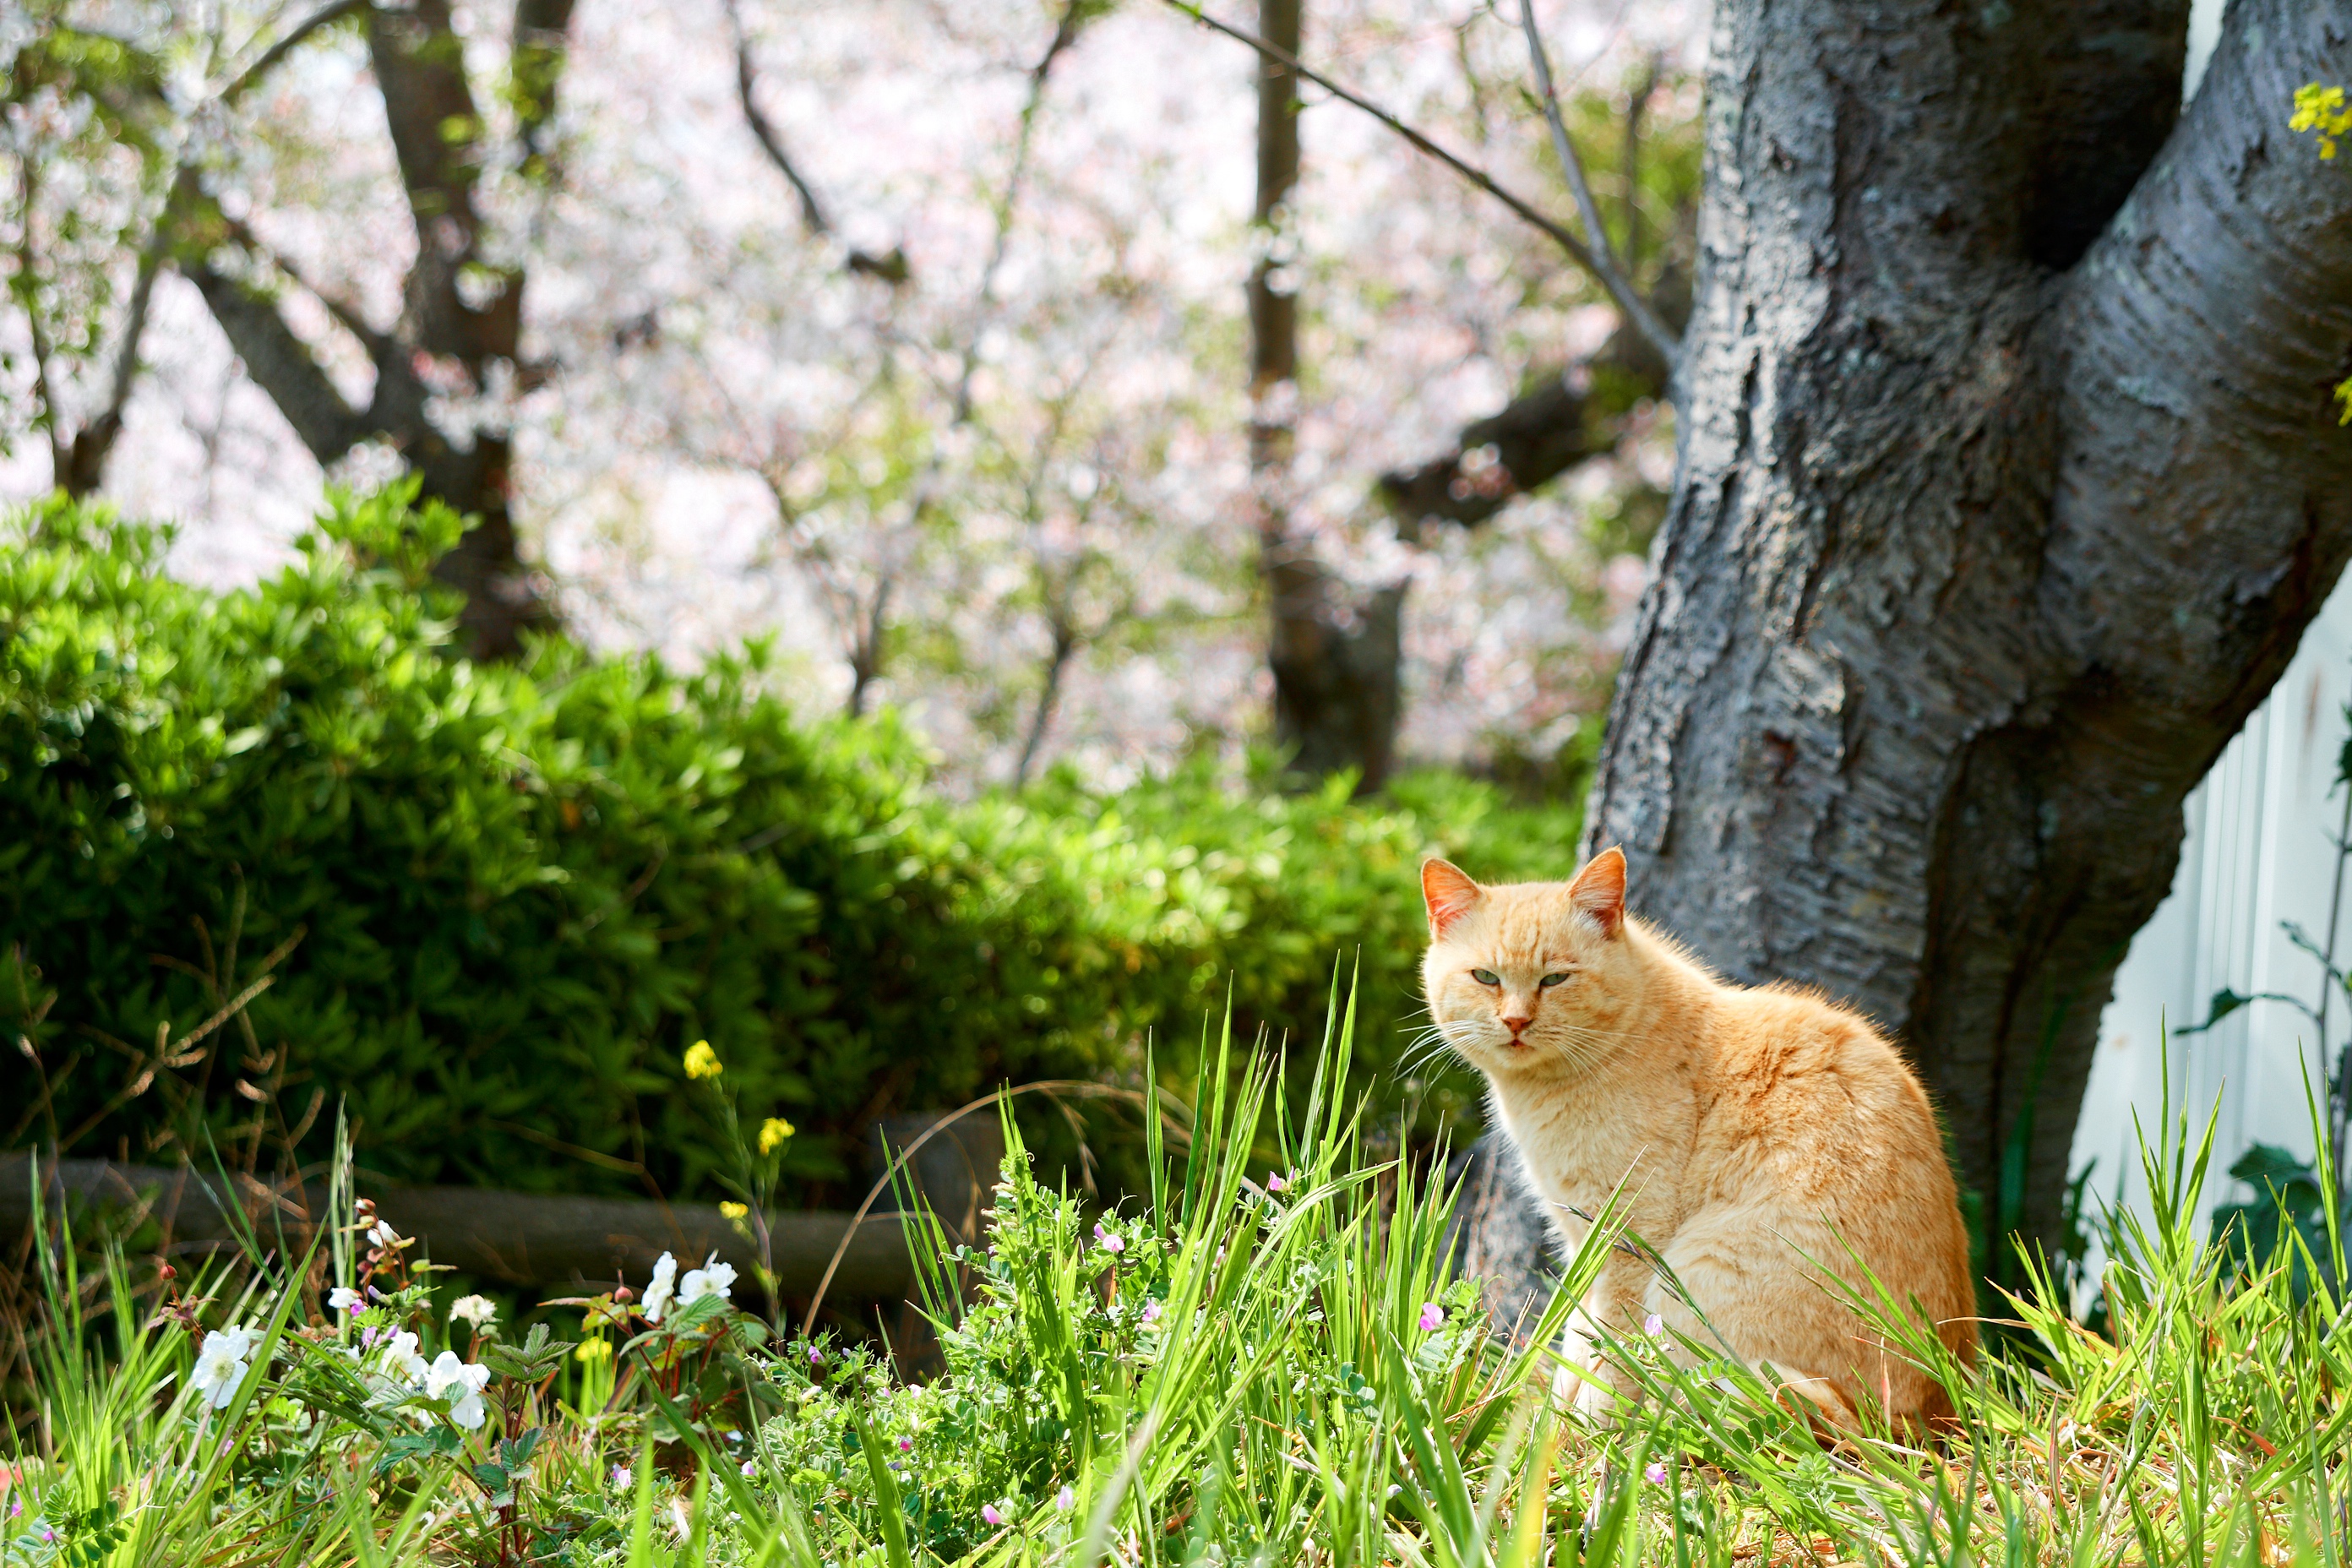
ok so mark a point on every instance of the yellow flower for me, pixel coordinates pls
(2321, 110)
(593, 1349)
(701, 1061)
(734, 1211)
(772, 1133)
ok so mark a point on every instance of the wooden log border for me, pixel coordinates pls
(521, 1239)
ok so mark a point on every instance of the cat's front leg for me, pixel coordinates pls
(1586, 1380)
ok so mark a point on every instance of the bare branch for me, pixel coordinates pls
(280, 363)
(1537, 436)
(28, 274)
(378, 345)
(94, 442)
(891, 266)
(811, 211)
(1560, 236)
(1065, 32)
(134, 327)
(1609, 267)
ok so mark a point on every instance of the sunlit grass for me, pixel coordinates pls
(1233, 1368)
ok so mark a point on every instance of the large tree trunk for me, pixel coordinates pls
(2008, 485)
(1337, 654)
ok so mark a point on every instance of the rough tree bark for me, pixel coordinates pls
(461, 318)
(1335, 655)
(2008, 485)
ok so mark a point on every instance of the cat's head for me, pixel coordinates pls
(1530, 976)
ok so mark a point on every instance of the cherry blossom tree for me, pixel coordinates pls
(915, 339)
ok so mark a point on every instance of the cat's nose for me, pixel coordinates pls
(1515, 1023)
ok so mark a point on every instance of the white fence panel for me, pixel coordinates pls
(2258, 854)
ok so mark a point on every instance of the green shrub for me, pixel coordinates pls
(493, 905)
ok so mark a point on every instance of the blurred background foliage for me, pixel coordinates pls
(488, 906)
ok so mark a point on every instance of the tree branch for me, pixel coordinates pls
(94, 442)
(1606, 264)
(29, 282)
(280, 363)
(2201, 334)
(891, 266)
(325, 16)
(1576, 249)
(378, 345)
(1065, 32)
(1537, 436)
(812, 216)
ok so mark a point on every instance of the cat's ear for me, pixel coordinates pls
(1449, 893)
(1599, 891)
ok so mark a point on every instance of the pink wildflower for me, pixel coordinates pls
(1433, 1316)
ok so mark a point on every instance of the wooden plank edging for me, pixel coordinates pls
(521, 1239)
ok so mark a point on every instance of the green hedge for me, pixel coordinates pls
(515, 894)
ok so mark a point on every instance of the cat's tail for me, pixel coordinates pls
(1813, 1396)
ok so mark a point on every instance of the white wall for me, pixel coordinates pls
(2258, 853)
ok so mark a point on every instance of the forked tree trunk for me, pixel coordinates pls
(2008, 483)
(460, 313)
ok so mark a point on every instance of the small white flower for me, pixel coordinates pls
(461, 1384)
(240, 1341)
(665, 1286)
(221, 1366)
(751, 1468)
(621, 1477)
(382, 1234)
(343, 1298)
(401, 1361)
(1065, 1500)
(713, 1278)
(477, 1310)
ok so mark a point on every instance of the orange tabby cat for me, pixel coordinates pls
(1762, 1135)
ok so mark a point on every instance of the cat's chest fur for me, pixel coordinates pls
(1580, 1144)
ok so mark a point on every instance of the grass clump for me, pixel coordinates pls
(1260, 1360)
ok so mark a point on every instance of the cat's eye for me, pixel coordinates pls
(1485, 977)
(1551, 980)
